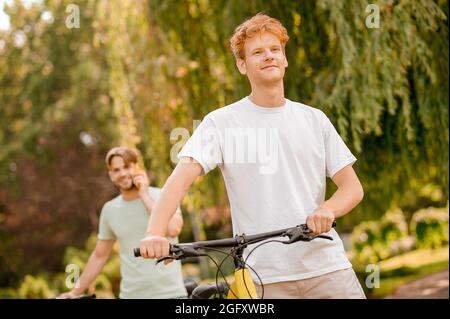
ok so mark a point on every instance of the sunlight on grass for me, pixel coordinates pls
(408, 267)
(415, 258)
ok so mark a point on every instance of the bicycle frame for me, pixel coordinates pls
(242, 287)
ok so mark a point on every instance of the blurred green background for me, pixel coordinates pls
(134, 70)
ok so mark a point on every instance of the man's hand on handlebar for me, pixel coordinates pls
(68, 295)
(320, 221)
(154, 246)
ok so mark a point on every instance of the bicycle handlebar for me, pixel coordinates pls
(297, 233)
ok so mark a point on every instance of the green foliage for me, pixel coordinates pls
(107, 283)
(49, 285)
(393, 226)
(373, 241)
(430, 226)
(35, 287)
(8, 293)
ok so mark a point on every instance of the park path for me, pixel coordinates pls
(434, 286)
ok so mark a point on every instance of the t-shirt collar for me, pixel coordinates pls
(263, 109)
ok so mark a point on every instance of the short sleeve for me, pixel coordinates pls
(104, 229)
(204, 146)
(337, 154)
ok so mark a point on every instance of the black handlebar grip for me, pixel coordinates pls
(137, 252)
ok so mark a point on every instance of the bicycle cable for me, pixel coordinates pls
(245, 282)
(245, 263)
(219, 269)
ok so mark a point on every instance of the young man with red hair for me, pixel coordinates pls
(275, 155)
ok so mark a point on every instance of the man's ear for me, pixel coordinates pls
(242, 67)
(110, 174)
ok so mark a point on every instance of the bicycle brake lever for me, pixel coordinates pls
(299, 233)
(165, 258)
(179, 253)
(176, 253)
(324, 237)
(302, 233)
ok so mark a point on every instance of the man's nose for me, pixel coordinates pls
(123, 173)
(268, 55)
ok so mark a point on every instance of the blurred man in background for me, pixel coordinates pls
(124, 219)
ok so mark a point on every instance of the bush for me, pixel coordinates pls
(394, 233)
(373, 241)
(35, 287)
(107, 283)
(430, 227)
(8, 293)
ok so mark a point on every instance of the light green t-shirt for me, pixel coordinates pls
(126, 221)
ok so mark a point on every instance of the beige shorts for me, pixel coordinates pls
(341, 284)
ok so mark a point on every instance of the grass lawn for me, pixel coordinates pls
(405, 268)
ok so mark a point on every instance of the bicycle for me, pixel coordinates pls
(242, 286)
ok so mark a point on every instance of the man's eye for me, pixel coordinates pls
(257, 52)
(275, 49)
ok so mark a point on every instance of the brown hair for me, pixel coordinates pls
(128, 155)
(256, 25)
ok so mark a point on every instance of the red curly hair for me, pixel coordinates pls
(255, 25)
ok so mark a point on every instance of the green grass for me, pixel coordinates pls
(405, 268)
(415, 258)
(389, 285)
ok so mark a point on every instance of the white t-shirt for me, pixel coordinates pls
(275, 162)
